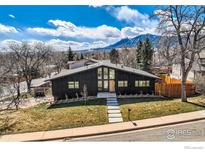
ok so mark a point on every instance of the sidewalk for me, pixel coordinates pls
(105, 129)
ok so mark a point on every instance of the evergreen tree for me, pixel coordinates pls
(145, 54)
(81, 56)
(114, 56)
(70, 55)
(138, 54)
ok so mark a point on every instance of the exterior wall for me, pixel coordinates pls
(176, 72)
(89, 78)
(60, 86)
(131, 89)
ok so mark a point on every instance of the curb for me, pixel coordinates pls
(119, 131)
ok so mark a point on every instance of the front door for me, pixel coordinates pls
(111, 85)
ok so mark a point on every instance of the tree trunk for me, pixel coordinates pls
(183, 89)
(28, 86)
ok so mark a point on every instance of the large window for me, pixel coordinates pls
(100, 85)
(105, 84)
(122, 83)
(105, 73)
(100, 73)
(111, 73)
(73, 84)
(142, 83)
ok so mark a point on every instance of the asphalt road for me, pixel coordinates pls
(192, 131)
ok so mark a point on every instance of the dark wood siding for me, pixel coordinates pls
(60, 86)
(89, 78)
(131, 89)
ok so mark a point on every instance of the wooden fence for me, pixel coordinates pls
(171, 87)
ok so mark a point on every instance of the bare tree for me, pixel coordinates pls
(10, 81)
(127, 57)
(167, 50)
(29, 58)
(187, 24)
(58, 60)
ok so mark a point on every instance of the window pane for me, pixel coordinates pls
(71, 85)
(99, 73)
(125, 83)
(111, 74)
(105, 84)
(105, 73)
(99, 85)
(76, 84)
(136, 83)
(120, 83)
(142, 83)
(147, 83)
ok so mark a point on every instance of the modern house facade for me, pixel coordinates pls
(102, 77)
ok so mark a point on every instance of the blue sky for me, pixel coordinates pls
(81, 27)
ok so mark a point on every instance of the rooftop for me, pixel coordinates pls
(103, 63)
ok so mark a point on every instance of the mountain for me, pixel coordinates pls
(132, 42)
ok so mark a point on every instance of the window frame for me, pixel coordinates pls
(142, 83)
(75, 84)
(122, 83)
(111, 74)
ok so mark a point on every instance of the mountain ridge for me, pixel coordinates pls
(131, 42)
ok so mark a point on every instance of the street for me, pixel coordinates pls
(192, 131)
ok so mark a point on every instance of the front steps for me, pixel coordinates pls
(114, 114)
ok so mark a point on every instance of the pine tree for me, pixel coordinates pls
(138, 54)
(114, 56)
(144, 55)
(70, 55)
(81, 56)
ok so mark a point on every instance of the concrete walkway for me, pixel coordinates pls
(106, 129)
(114, 114)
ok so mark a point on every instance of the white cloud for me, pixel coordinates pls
(141, 23)
(64, 45)
(132, 16)
(12, 16)
(69, 30)
(60, 45)
(131, 31)
(7, 29)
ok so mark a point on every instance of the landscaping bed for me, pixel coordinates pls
(143, 108)
(43, 117)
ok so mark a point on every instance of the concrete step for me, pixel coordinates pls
(115, 120)
(115, 115)
(112, 104)
(112, 101)
(111, 98)
(113, 111)
(113, 107)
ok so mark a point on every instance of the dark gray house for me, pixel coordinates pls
(102, 77)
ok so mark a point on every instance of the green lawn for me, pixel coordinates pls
(149, 108)
(60, 116)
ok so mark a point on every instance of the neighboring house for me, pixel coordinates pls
(198, 68)
(102, 77)
(39, 86)
(80, 63)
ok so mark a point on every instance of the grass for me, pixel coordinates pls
(143, 108)
(61, 116)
